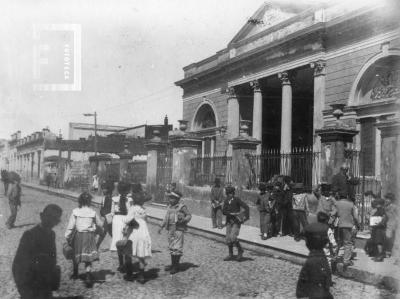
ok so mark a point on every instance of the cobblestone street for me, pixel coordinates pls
(204, 273)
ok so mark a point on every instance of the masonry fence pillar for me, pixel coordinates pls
(185, 148)
(242, 146)
(153, 147)
(334, 139)
(390, 153)
(98, 166)
(124, 157)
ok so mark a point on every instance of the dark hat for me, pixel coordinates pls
(136, 187)
(217, 181)
(325, 188)
(230, 190)
(316, 235)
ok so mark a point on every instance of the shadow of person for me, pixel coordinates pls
(244, 259)
(185, 266)
(34, 268)
(69, 297)
(100, 276)
(151, 273)
(155, 251)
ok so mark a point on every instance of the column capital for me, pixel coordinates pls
(284, 77)
(255, 84)
(319, 67)
(231, 92)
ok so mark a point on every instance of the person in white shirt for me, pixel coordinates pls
(81, 235)
(119, 210)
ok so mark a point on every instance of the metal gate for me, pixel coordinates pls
(112, 170)
(367, 187)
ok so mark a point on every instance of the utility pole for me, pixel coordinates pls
(95, 130)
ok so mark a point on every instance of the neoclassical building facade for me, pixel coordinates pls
(286, 67)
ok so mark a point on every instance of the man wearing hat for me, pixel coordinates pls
(300, 210)
(265, 206)
(14, 200)
(217, 199)
(315, 276)
(234, 219)
(175, 222)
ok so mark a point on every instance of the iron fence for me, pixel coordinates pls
(302, 165)
(164, 175)
(137, 171)
(204, 170)
(368, 187)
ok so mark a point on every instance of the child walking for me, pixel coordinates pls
(81, 234)
(265, 207)
(140, 236)
(331, 248)
(175, 222)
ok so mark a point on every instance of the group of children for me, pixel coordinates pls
(283, 208)
(124, 218)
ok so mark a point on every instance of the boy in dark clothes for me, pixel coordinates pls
(34, 268)
(315, 276)
(217, 199)
(265, 207)
(234, 219)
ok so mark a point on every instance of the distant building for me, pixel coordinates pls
(84, 130)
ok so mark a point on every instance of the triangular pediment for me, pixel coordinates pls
(267, 16)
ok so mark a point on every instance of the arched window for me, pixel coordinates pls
(205, 118)
(380, 81)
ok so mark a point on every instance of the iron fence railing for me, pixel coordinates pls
(204, 170)
(302, 165)
(368, 187)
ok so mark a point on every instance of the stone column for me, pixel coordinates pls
(184, 149)
(390, 155)
(233, 117)
(334, 139)
(319, 100)
(242, 147)
(257, 113)
(286, 122)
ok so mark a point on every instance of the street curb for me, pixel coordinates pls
(366, 277)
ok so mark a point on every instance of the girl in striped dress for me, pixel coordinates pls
(81, 234)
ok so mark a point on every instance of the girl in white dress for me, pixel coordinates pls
(140, 236)
(119, 210)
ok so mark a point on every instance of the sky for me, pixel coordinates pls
(132, 52)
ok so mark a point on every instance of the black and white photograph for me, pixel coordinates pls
(200, 149)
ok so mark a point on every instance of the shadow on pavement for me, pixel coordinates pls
(151, 273)
(100, 276)
(185, 266)
(155, 251)
(69, 297)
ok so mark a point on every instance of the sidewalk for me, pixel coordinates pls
(365, 270)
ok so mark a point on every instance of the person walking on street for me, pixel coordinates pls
(234, 219)
(265, 207)
(119, 209)
(14, 200)
(347, 219)
(175, 222)
(140, 236)
(217, 199)
(315, 277)
(5, 179)
(81, 235)
(34, 268)
(105, 211)
(300, 210)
